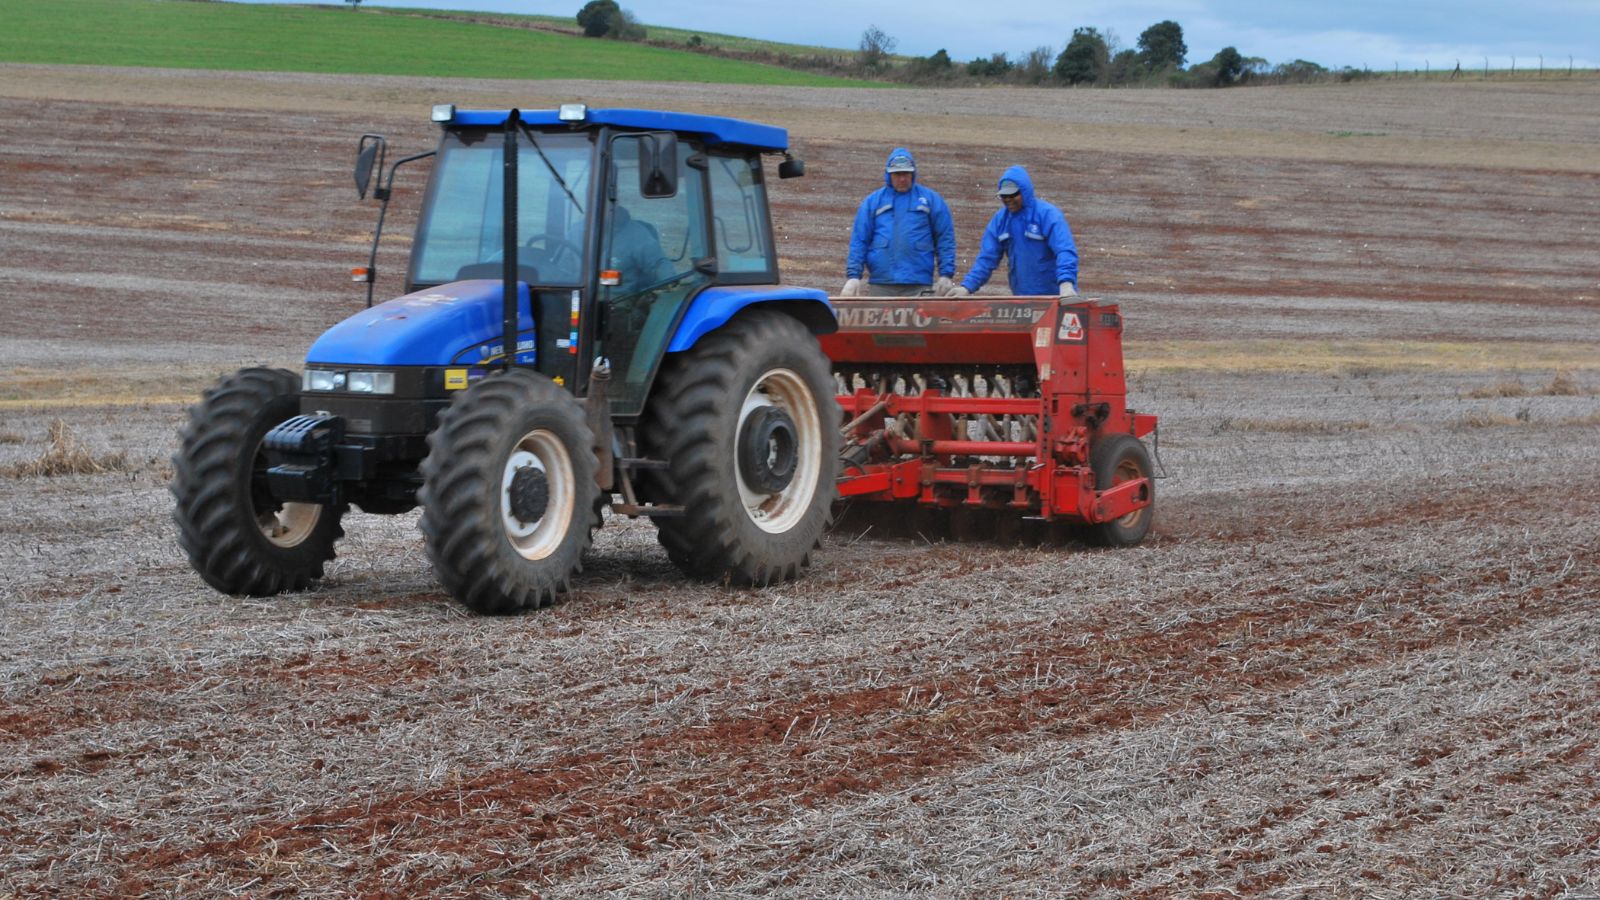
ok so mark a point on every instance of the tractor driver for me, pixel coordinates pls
(902, 236)
(1034, 237)
(636, 252)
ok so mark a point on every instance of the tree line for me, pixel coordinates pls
(1091, 57)
(1159, 57)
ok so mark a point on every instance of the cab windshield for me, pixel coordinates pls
(459, 231)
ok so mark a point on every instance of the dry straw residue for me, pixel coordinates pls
(65, 456)
(1564, 384)
(1484, 419)
(1289, 426)
(1503, 389)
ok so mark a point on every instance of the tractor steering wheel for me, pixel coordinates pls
(554, 247)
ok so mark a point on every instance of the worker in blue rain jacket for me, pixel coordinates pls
(903, 238)
(1033, 236)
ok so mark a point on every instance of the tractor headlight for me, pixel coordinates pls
(370, 383)
(322, 380)
(444, 112)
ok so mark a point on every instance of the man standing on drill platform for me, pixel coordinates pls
(902, 236)
(1034, 237)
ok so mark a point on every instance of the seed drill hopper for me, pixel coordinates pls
(997, 409)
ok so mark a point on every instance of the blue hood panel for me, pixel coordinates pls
(427, 328)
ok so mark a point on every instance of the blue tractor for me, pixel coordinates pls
(592, 316)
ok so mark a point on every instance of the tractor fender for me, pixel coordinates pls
(713, 307)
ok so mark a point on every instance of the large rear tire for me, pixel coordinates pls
(239, 539)
(509, 499)
(1114, 460)
(747, 422)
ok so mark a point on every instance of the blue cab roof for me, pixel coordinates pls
(712, 129)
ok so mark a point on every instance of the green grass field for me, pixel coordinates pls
(335, 39)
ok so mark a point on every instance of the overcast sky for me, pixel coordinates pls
(1377, 34)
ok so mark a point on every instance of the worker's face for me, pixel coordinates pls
(901, 181)
(1012, 202)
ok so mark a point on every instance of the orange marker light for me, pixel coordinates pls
(361, 275)
(610, 277)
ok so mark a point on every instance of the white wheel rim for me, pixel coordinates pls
(544, 451)
(777, 513)
(289, 525)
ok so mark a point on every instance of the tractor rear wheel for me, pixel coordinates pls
(1114, 460)
(241, 540)
(509, 499)
(747, 422)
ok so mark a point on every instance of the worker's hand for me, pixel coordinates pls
(959, 290)
(943, 287)
(1068, 289)
(852, 288)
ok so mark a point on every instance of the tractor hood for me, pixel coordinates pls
(433, 327)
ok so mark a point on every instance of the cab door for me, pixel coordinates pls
(653, 257)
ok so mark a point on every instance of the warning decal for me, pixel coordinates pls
(1071, 329)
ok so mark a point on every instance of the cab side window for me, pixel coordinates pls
(743, 243)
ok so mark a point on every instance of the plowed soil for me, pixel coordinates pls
(1358, 656)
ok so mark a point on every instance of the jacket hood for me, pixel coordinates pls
(898, 151)
(1020, 176)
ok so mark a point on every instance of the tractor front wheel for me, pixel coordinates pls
(748, 425)
(509, 499)
(241, 540)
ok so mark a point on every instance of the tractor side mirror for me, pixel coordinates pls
(658, 165)
(372, 149)
(791, 167)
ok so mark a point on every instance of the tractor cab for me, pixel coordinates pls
(621, 217)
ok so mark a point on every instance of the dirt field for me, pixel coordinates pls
(1360, 654)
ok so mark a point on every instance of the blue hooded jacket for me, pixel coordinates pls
(899, 237)
(1037, 242)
